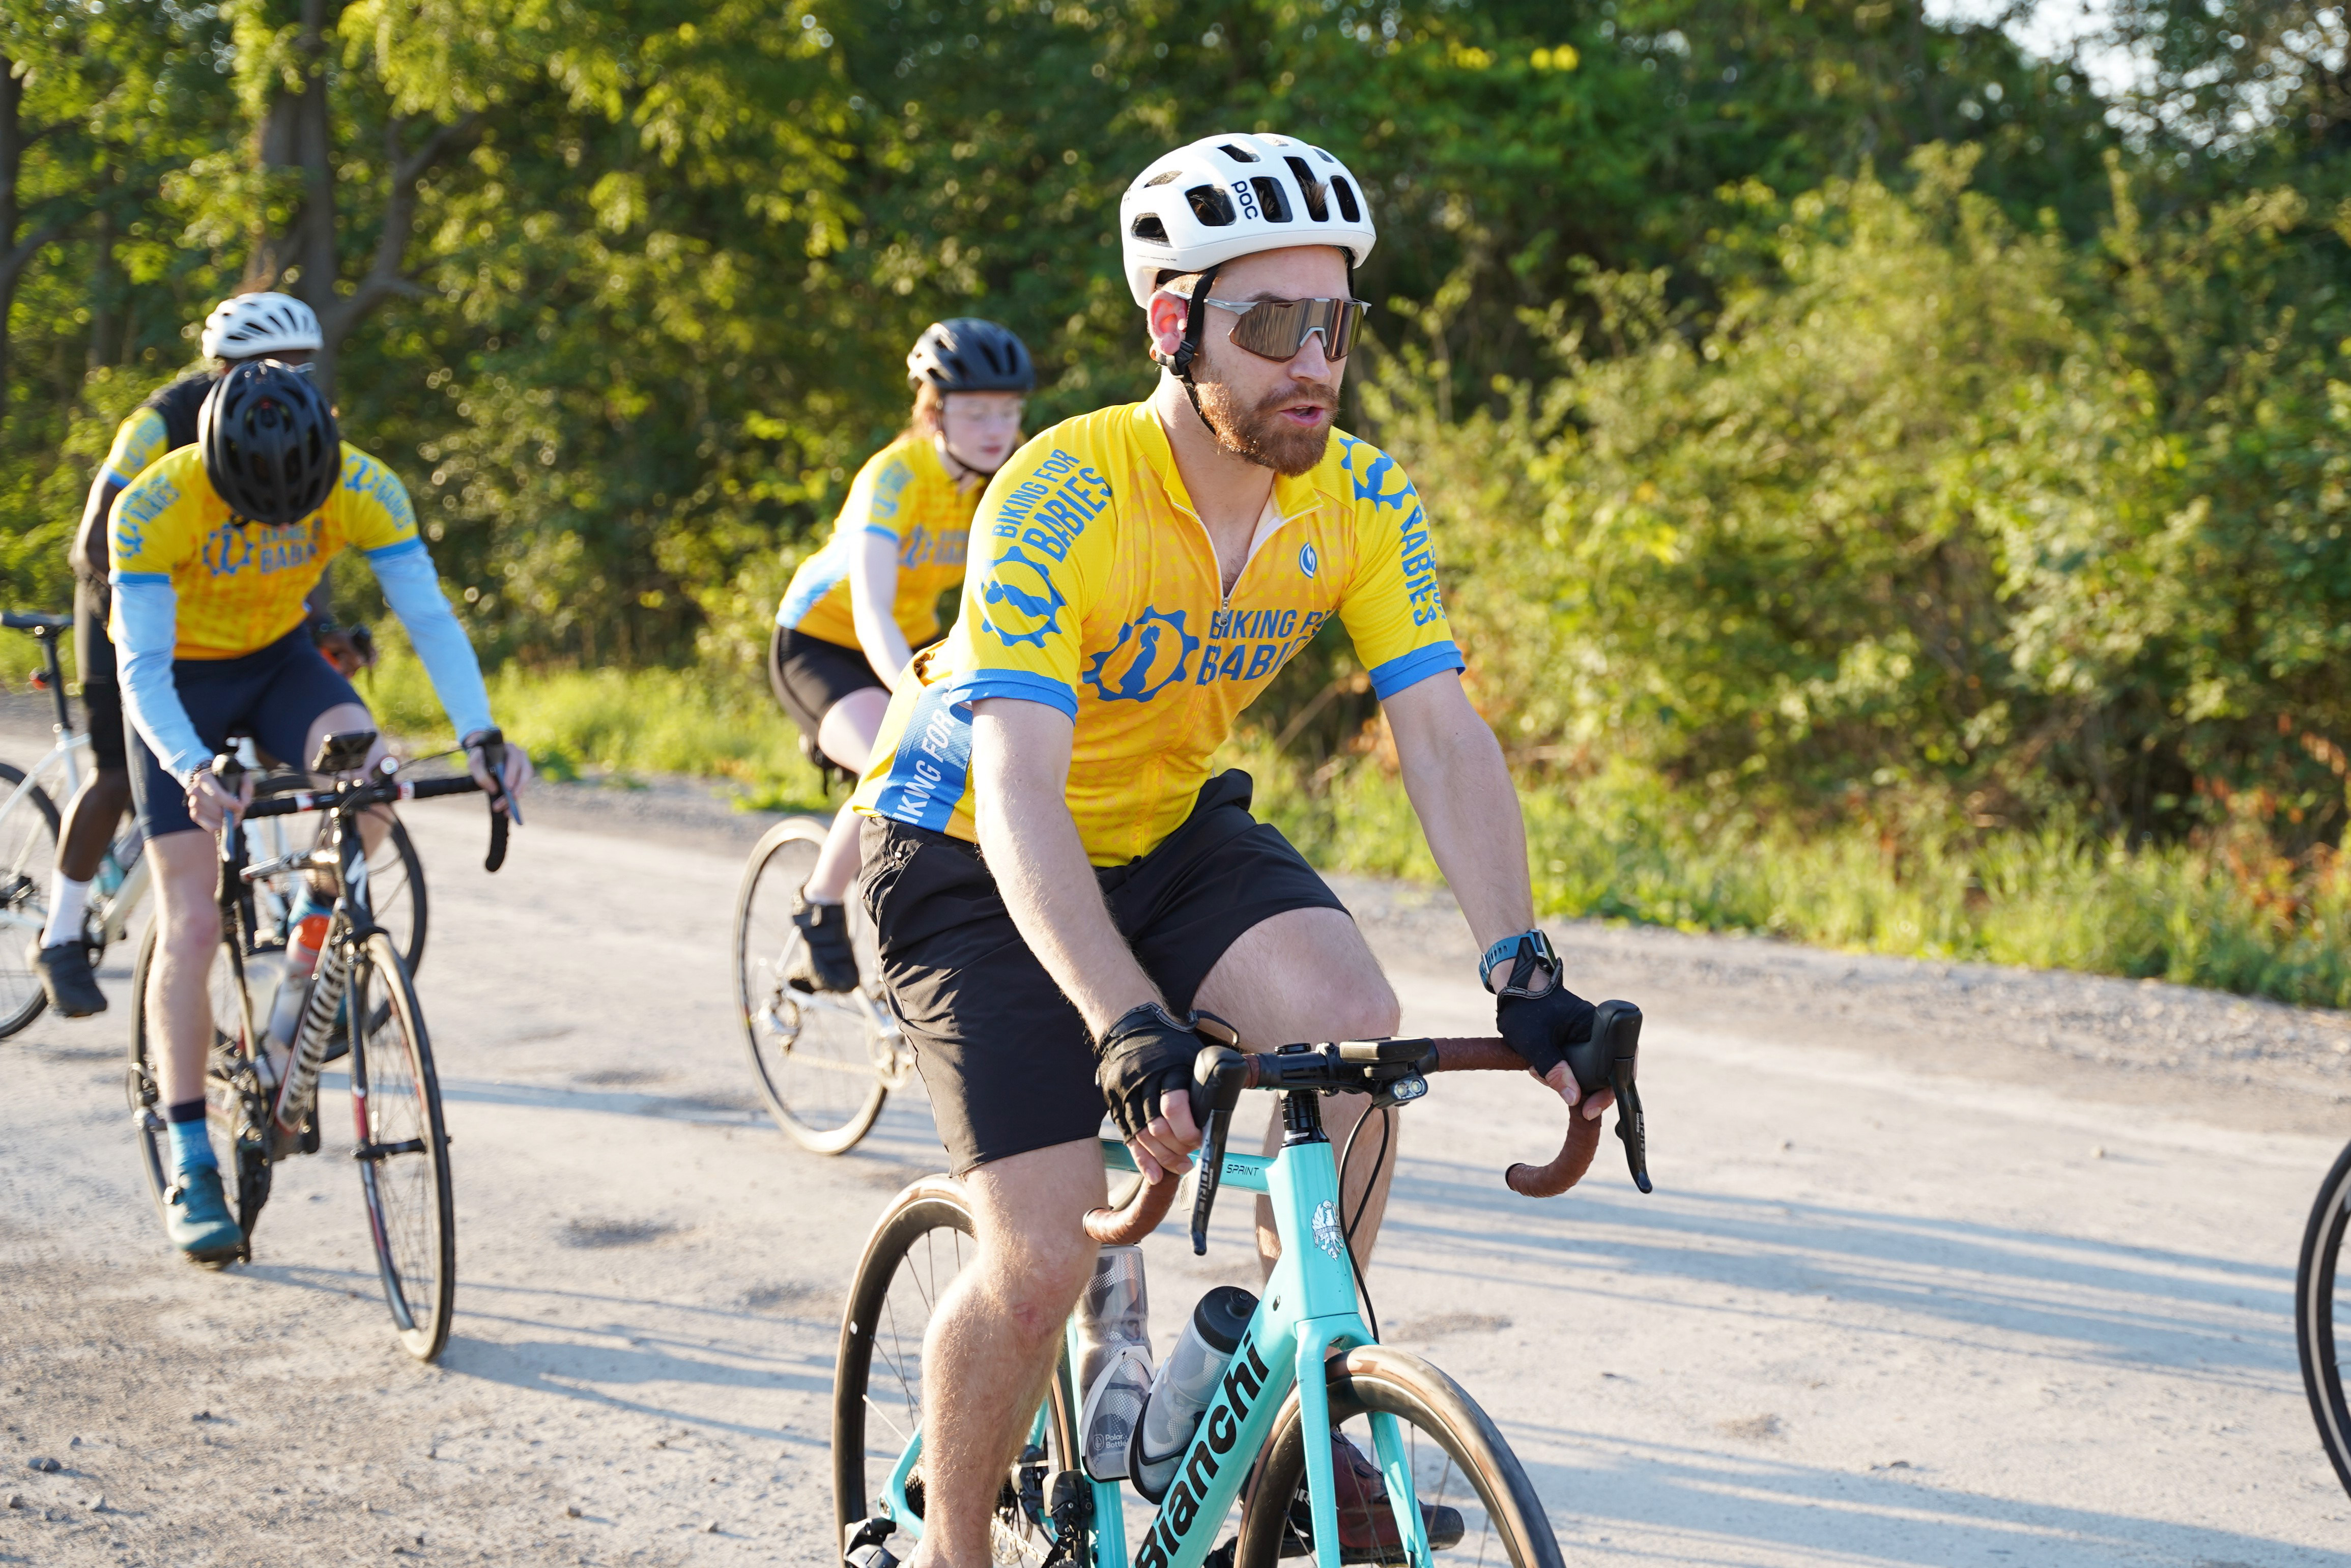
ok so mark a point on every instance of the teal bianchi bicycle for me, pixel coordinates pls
(1295, 1370)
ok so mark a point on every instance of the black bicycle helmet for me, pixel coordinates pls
(969, 354)
(270, 445)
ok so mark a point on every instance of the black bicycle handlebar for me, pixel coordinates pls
(380, 791)
(26, 620)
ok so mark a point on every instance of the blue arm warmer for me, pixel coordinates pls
(414, 590)
(150, 618)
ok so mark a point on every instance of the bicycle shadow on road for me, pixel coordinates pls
(1717, 1508)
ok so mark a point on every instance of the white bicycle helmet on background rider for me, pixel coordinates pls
(247, 326)
(1226, 196)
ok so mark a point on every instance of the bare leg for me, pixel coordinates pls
(1306, 974)
(996, 1338)
(343, 717)
(847, 737)
(188, 931)
(91, 818)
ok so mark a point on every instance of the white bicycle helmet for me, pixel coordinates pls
(1224, 196)
(244, 326)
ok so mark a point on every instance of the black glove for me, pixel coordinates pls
(1536, 1012)
(1146, 1055)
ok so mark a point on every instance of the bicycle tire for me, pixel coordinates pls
(28, 851)
(814, 1056)
(405, 1186)
(234, 1110)
(2314, 1319)
(885, 1287)
(1376, 1379)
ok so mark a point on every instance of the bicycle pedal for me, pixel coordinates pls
(861, 1544)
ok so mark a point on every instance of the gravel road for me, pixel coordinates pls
(1946, 1264)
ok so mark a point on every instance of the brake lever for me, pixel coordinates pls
(230, 772)
(1616, 1026)
(1216, 1074)
(494, 762)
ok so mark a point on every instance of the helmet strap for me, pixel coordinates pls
(1196, 316)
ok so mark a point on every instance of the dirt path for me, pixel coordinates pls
(1946, 1266)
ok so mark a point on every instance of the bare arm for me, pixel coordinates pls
(873, 591)
(1021, 767)
(1462, 792)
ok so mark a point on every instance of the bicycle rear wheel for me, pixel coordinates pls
(2319, 1320)
(236, 1112)
(815, 1056)
(922, 1241)
(1458, 1462)
(403, 1151)
(28, 850)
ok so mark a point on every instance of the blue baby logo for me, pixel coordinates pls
(1307, 560)
(1149, 655)
(1023, 605)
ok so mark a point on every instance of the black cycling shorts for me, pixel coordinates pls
(101, 697)
(809, 675)
(274, 694)
(1007, 1061)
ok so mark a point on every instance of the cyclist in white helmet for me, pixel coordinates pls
(1063, 890)
(242, 326)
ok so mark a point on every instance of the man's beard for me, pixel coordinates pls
(1260, 436)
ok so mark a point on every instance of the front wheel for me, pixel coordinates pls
(1462, 1471)
(2317, 1316)
(28, 850)
(879, 1394)
(403, 1151)
(817, 1057)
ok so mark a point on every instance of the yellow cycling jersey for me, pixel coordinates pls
(1099, 595)
(904, 495)
(139, 440)
(239, 585)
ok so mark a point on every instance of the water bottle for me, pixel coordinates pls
(109, 875)
(1185, 1383)
(301, 959)
(1114, 1359)
(265, 984)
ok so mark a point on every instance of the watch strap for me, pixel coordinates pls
(1525, 953)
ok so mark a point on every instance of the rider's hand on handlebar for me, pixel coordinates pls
(212, 803)
(1563, 1080)
(1143, 1067)
(515, 775)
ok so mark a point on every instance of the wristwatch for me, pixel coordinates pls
(1527, 953)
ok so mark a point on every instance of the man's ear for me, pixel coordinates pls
(1168, 312)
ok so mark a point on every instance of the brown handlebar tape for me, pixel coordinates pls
(1149, 1202)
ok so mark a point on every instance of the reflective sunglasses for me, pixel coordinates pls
(1278, 328)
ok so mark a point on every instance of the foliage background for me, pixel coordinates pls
(1853, 439)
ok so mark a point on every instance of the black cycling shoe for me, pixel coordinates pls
(1367, 1527)
(66, 975)
(825, 962)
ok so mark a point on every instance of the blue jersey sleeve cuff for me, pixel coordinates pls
(392, 551)
(139, 576)
(1018, 684)
(120, 481)
(878, 530)
(1415, 667)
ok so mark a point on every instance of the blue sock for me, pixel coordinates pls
(191, 1146)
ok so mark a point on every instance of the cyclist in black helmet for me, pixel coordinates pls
(859, 608)
(242, 326)
(210, 552)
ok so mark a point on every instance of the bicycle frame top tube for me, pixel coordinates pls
(1308, 1311)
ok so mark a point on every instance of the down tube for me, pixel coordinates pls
(1256, 1381)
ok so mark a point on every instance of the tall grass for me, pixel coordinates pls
(2226, 912)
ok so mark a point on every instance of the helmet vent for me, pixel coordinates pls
(1324, 156)
(1318, 205)
(1148, 226)
(1211, 205)
(1162, 178)
(1270, 197)
(1238, 154)
(1349, 208)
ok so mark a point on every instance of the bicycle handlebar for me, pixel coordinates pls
(1392, 1072)
(24, 620)
(386, 790)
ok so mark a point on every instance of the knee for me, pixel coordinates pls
(1040, 1286)
(1367, 1009)
(192, 929)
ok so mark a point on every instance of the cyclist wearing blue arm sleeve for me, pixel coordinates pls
(145, 618)
(413, 588)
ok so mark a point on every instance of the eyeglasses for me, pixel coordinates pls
(1278, 328)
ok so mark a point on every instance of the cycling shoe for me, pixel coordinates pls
(1367, 1526)
(825, 961)
(65, 974)
(196, 1217)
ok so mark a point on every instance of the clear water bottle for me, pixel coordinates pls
(1114, 1359)
(265, 983)
(1185, 1383)
(301, 960)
